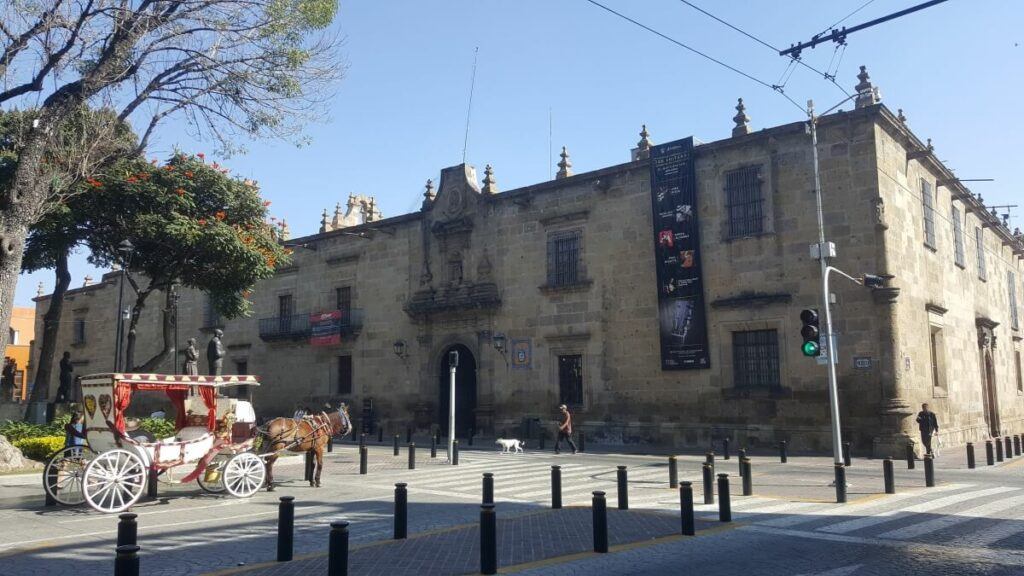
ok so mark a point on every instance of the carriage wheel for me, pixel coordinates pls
(244, 474)
(114, 481)
(62, 477)
(217, 486)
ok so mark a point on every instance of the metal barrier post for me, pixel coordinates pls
(488, 540)
(285, 528)
(623, 488)
(748, 482)
(127, 529)
(725, 448)
(412, 455)
(673, 472)
(846, 454)
(989, 456)
(783, 453)
(455, 453)
(127, 561)
(890, 478)
(999, 450)
(910, 455)
(686, 508)
(488, 488)
(970, 455)
(556, 487)
(742, 457)
(396, 444)
(408, 434)
(724, 502)
(840, 483)
(401, 510)
(709, 484)
(929, 470)
(433, 447)
(1016, 445)
(600, 513)
(364, 453)
(1009, 448)
(337, 556)
(380, 434)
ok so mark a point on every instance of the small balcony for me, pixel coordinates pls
(298, 327)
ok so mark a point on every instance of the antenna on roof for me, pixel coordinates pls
(551, 169)
(469, 109)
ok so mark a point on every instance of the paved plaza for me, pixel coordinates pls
(972, 522)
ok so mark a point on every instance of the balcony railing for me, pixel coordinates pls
(297, 326)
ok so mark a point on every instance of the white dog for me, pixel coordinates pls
(511, 444)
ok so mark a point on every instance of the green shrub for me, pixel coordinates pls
(39, 448)
(19, 430)
(158, 427)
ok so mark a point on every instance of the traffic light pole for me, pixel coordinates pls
(833, 392)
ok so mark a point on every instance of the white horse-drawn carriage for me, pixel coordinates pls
(213, 442)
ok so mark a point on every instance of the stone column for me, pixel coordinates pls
(894, 409)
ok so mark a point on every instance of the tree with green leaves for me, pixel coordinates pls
(192, 225)
(225, 68)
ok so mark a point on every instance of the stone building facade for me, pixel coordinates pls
(548, 293)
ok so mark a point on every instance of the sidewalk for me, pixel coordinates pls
(523, 541)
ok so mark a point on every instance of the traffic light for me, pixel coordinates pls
(811, 333)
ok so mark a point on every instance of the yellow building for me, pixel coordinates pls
(19, 342)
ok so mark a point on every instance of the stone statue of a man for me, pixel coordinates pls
(215, 353)
(191, 358)
(67, 378)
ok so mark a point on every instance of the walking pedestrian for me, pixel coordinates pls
(565, 429)
(928, 425)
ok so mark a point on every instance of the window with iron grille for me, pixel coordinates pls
(928, 205)
(343, 300)
(1012, 281)
(755, 359)
(958, 239)
(1020, 376)
(79, 334)
(564, 258)
(285, 309)
(570, 380)
(979, 240)
(744, 202)
(344, 375)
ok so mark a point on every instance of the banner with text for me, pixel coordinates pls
(681, 317)
(325, 328)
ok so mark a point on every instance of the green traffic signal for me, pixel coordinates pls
(811, 349)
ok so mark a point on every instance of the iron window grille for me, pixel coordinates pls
(79, 334)
(979, 240)
(1020, 376)
(928, 205)
(343, 299)
(745, 202)
(570, 380)
(564, 259)
(958, 239)
(1012, 282)
(285, 310)
(755, 358)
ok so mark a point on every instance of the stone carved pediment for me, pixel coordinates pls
(457, 195)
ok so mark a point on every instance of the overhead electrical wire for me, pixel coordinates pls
(773, 87)
(844, 18)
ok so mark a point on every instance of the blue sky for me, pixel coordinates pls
(956, 69)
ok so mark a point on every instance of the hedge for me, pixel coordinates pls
(39, 448)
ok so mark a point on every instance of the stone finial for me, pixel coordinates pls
(867, 94)
(490, 184)
(900, 116)
(339, 217)
(428, 194)
(1016, 234)
(39, 288)
(372, 213)
(87, 281)
(286, 233)
(741, 119)
(564, 165)
(324, 227)
(643, 147)
(929, 146)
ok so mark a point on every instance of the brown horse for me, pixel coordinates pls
(309, 433)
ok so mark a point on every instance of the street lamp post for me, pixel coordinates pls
(125, 248)
(174, 311)
(453, 363)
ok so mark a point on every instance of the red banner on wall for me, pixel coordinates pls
(325, 328)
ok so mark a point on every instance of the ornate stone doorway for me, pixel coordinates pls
(991, 401)
(465, 391)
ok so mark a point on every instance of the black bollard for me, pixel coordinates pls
(437, 435)
(709, 457)
(395, 444)
(540, 442)
(433, 447)
(929, 470)
(401, 511)
(709, 484)
(330, 443)
(742, 455)
(725, 448)
(408, 434)
(472, 433)
(686, 508)
(970, 455)
(783, 452)
(623, 488)
(673, 472)
(748, 482)
(846, 454)
(583, 442)
(999, 450)
(337, 555)
(127, 561)
(285, 528)
(127, 529)
(488, 540)
(890, 479)
(1009, 448)
(363, 456)
(840, 484)
(556, 487)
(989, 457)
(600, 511)
(455, 453)
(724, 503)
(362, 440)
(910, 456)
(380, 434)
(488, 490)
(1016, 445)
(151, 484)
(412, 456)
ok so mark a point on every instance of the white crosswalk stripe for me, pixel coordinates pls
(927, 506)
(942, 522)
(856, 508)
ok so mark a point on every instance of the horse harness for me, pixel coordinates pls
(318, 424)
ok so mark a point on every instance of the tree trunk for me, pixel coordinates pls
(140, 305)
(51, 326)
(170, 346)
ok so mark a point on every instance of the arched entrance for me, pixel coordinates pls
(465, 391)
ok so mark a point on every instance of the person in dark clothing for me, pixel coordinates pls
(74, 431)
(928, 425)
(565, 429)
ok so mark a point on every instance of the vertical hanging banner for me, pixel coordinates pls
(325, 328)
(681, 317)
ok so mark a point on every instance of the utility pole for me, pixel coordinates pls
(839, 36)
